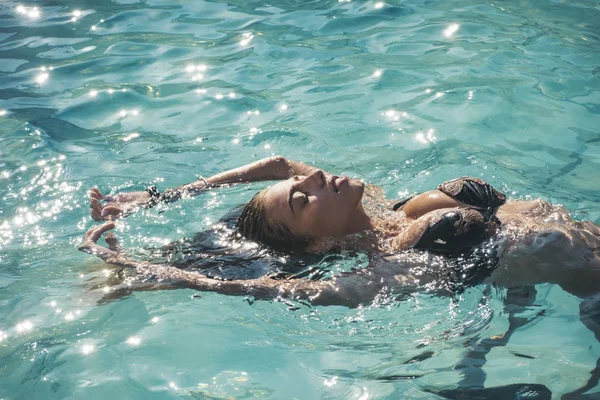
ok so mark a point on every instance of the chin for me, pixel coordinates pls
(357, 187)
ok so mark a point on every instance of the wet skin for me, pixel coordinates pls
(318, 205)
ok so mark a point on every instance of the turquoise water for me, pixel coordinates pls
(404, 95)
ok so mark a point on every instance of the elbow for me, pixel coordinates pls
(281, 167)
(278, 160)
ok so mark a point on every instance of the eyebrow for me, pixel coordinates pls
(290, 198)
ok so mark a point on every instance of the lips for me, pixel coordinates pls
(337, 182)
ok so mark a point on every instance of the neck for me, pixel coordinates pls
(361, 222)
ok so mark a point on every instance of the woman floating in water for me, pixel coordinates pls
(463, 233)
(510, 243)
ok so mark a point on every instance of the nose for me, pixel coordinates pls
(317, 178)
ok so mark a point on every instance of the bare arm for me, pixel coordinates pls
(348, 289)
(271, 168)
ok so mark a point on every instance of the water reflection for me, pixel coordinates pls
(42, 78)
(246, 38)
(24, 326)
(426, 137)
(131, 136)
(451, 30)
(31, 12)
(87, 349)
(134, 341)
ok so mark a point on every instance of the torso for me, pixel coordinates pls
(538, 243)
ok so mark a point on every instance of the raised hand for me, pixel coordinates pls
(112, 207)
(90, 242)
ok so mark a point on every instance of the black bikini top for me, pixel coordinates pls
(464, 228)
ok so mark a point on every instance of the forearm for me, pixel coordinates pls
(341, 291)
(347, 289)
(271, 168)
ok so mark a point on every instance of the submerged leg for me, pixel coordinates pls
(507, 392)
(589, 314)
(471, 366)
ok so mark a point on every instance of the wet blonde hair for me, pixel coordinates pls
(255, 224)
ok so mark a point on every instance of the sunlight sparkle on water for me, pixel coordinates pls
(451, 30)
(246, 38)
(41, 78)
(31, 12)
(330, 382)
(283, 107)
(200, 67)
(24, 326)
(377, 73)
(134, 341)
(93, 93)
(87, 349)
(365, 395)
(425, 138)
(379, 5)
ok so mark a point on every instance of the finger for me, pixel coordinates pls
(94, 214)
(95, 209)
(96, 249)
(94, 234)
(109, 212)
(113, 243)
(95, 193)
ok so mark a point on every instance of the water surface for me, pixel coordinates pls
(401, 94)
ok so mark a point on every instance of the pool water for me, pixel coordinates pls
(401, 94)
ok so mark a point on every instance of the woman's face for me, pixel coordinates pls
(317, 205)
